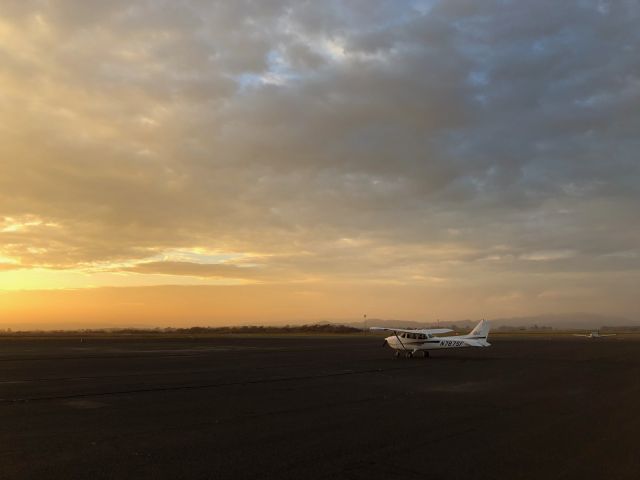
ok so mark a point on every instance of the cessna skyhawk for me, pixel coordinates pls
(412, 341)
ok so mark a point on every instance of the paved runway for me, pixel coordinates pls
(318, 408)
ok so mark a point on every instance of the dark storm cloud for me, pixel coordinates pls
(474, 130)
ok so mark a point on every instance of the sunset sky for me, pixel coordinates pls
(230, 162)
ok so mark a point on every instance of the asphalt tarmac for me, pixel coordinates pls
(318, 408)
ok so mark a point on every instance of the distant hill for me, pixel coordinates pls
(566, 321)
(578, 321)
(574, 321)
(316, 328)
(376, 322)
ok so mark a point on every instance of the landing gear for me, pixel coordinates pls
(410, 354)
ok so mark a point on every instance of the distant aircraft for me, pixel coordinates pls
(412, 341)
(594, 334)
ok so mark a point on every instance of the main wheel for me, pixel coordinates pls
(397, 354)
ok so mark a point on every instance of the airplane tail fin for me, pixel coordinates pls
(481, 331)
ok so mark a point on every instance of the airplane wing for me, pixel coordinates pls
(608, 335)
(580, 335)
(432, 331)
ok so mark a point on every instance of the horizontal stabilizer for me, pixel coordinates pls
(476, 343)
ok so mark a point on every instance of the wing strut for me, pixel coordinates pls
(396, 334)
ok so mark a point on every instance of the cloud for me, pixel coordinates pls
(8, 266)
(196, 270)
(435, 135)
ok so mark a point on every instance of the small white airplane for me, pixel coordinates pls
(412, 341)
(594, 334)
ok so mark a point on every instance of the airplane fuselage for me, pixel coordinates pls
(406, 341)
(412, 341)
(597, 335)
